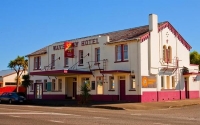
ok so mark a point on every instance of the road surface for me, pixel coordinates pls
(42, 115)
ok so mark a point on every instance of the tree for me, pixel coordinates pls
(85, 95)
(26, 81)
(195, 58)
(20, 65)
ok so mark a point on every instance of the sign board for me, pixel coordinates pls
(69, 49)
(148, 82)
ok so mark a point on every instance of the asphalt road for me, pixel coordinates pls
(41, 115)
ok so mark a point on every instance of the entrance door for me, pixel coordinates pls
(38, 91)
(186, 90)
(74, 89)
(122, 90)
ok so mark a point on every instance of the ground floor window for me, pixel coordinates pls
(132, 83)
(111, 83)
(10, 83)
(59, 84)
(86, 80)
(173, 82)
(45, 85)
(53, 85)
(162, 82)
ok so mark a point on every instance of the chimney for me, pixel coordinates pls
(153, 22)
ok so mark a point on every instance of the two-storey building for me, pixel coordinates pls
(141, 64)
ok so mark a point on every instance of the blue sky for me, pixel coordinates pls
(28, 25)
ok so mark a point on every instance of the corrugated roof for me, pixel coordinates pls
(6, 72)
(120, 35)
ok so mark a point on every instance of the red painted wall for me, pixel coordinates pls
(194, 94)
(54, 97)
(167, 95)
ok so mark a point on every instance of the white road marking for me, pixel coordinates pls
(14, 116)
(56, 121)
(100, 118)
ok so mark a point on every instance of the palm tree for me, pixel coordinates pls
(20, 65)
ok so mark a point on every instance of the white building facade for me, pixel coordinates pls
(141, 64)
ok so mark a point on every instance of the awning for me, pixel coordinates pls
(60, 72)
(114, 71)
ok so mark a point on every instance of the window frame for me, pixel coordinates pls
(45, 84)
(80, 57)
(97, 54)
(53, 61)
(111, 83)
(132, 82)
(120, 51)
(53, 85)
(66, 62)
(37, 63)
(59, 84)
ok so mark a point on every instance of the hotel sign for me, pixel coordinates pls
(83, 43)
(148, 82)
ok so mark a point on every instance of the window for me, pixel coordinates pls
(125, 52)
(97, 54)
(86, 81)
(52, 60)
(162, 82)
(66, 61)
(164, 54)
(10, 83)
(169, 54)
(31, 85)
(59, 84)
(45, 85)
(132, 83)
(53, 85)
(80, 57)
(118, 53)
(93, 85)
(111, 83)
(121, 52)
(173, 82)
(37, 62)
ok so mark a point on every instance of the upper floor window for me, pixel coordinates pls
(52, 60)
(164, 53)
(169, 54)
(121, 52)
(80, 57)
(66, 61)
(97, 54)
(37, 62)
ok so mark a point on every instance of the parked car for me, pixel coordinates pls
(12, 97)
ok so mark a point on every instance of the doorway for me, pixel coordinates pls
(38, 90)
(187, 96)
(70, 88)
(122, 90)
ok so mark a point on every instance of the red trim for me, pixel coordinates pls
(114, 71)
(121, 61)
(59, 72)
(192, 73)
(172, 29)
(145, 37)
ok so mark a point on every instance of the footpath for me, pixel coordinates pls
(121, 106)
